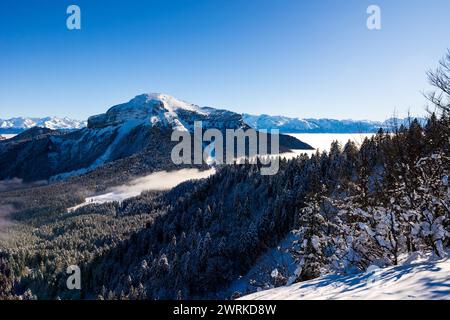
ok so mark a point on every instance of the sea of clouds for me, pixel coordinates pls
(157, 181)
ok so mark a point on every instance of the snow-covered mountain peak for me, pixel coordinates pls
(170, 103)
(163, 110)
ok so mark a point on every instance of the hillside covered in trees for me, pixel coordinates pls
(347, 209)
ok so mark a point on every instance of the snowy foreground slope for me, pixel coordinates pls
(423, 281)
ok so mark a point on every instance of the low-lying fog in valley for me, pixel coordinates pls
(156, 181)
(322, 141)
(166, 180)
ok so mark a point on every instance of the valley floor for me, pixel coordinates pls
(420, 280)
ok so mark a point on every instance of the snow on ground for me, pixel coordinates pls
(421, 280)
(161, 180)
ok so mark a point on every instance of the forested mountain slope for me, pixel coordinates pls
(350, 208)
(337, 212)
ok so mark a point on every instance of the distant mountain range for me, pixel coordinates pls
(284, 124)
(20, 124)
(297, 125)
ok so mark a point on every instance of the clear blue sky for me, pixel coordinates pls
(291, 57)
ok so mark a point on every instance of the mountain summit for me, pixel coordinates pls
(162, 110)
(139, 129)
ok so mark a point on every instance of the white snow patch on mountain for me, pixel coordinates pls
(122, 132)
(173, 104)
(420, 279)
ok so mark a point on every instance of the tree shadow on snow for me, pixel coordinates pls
(368, 280)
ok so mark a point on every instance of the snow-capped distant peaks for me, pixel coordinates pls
(61, 123)
(165, 111)
(298, 125)
(18, 124)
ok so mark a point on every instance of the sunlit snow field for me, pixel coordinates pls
(418, 278)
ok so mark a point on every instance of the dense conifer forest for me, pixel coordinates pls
(348, 208)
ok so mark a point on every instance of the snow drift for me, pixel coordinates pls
(426, 280)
